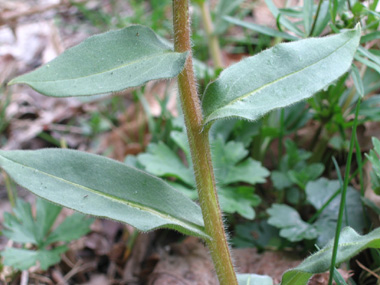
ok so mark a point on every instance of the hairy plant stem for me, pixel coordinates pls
(200, 150)
(213, 41)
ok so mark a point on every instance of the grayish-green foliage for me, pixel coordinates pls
(22, 227)
(357, 80)
(279, 77)
(231, 166)
(261, 29)
(289, 221)
(318, 193)
(276, 78)
(23, 259)
(103, 187)
(350, 244)
(257, 234)
(106, 63)
(373, 157)
(294, 168)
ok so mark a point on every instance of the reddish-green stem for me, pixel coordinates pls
(200, 150)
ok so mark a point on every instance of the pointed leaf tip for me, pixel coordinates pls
(102, 187)
(105, 63)
(279, 76)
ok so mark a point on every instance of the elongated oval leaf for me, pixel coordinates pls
(261, 29)
(103, 187)
(350, 244)
(105, 63)
(279, 77)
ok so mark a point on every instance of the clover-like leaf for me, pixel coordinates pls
(318, 193)
(23, 259)
(160, 160)
(289, 221)
(230, 166)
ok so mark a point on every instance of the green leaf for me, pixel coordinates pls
(186, 190)
(73, 227)
(160, 160)
(47, 213)
(229, 169)
(280, 180)
(21, 226)
(105, 63)
(350, 244)
(373, 157)
(249, 171)
(239, 199)
(367, 62)
(253, 279)
(338, 278)
(370, 37)
(306, 174)
(102, 187)
(224, 8)
(256, 234)
(282, 20)
(318, 193)
(180, 138)
(308, 7)
(230, 165)
(23, 259)
(289, 221)
(279, 77)
(357, 80)
(369, 108)
(370, 55)
(323, 19)
(369, 203)
(261, 29)
(24, 228)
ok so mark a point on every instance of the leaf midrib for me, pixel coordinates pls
(166, 53)
(275, 81)
(129, 203)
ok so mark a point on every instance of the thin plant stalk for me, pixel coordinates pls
(360, 166)
(10, 191)
(213, 41)
(352, 93)
(318, 213)
(200, 150)
(341, 185)
(344, 192)
(316, 18)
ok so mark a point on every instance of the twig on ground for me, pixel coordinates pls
(368, 270)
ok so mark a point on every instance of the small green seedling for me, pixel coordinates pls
(37, 235)
(126, 58)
